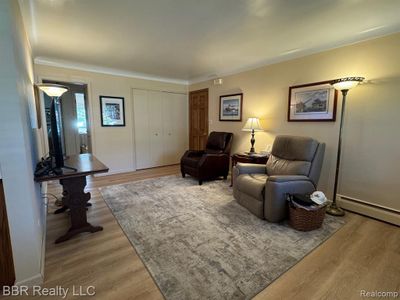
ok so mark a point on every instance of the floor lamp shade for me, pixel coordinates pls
(343, 85)
(346, 83)
(52, 90)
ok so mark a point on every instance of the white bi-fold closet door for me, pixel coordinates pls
(160, 126)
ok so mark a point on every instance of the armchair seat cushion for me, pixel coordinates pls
(252, 185)
(196, 153)
(191, 161)
(213, 151)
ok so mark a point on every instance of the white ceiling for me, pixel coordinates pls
(191, 40)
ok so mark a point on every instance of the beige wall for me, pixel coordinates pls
(112, 145)
(18, 148)
(371, 154)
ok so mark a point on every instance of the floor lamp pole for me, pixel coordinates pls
(333, 208)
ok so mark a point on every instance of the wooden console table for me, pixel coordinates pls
(247, 158)
(74, 196)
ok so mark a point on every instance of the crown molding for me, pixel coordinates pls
(377, 33)
(104, 70)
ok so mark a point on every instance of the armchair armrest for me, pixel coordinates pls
(213, 159)
(287, 178)
(191, 153)
(244, 168)
(213, 165)
(195, 152)
(276, 189)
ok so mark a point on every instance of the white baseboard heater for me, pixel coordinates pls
(376, 211)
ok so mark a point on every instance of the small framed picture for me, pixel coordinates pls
(230, 107)
(313, 102)
(112, 111)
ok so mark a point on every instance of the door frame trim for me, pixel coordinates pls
(89, 102)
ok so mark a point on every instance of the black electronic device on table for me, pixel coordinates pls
(54, 164)
(44, 167)
(56, 128)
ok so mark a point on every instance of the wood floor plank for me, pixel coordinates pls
(364, 254)
(105, 259)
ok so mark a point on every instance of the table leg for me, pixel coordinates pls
(64, 208)
(75, 199)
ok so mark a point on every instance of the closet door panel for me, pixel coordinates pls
(156, 128)
(168, 127)
(161, 128)
(180, 115)
(141, 129)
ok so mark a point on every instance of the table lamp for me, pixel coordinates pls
(253, 125)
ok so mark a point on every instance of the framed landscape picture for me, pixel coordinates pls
(230, 107)
(313, 102)
(112, 111)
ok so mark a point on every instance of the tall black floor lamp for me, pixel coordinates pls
(343, 85)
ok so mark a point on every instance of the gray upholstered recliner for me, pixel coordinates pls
(294, 166)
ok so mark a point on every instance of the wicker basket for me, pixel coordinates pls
(306, 220)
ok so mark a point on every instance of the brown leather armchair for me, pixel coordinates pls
(212, 162)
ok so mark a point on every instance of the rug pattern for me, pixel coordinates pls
(199, 243)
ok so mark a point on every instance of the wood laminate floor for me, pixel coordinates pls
(363, 255)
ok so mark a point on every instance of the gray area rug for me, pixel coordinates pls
(199, 243)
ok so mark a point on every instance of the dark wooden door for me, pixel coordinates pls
(198, 119)
(7, 273)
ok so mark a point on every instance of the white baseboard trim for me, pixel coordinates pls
(114, 172)
(34, 280)
(366, 209)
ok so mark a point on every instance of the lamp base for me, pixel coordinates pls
(250, 153)
(334, 210)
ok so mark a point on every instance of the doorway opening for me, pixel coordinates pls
(74, 121)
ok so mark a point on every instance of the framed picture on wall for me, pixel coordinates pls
(230, 107)
(312, 102)
(112, 111)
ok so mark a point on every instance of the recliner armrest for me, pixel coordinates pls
(191, 153)
(196, 152)
(245, 168)
(286, 178)
(212, 158)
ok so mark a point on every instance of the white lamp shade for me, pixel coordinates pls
(346, 83)
(53, 90)
(252, 124)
